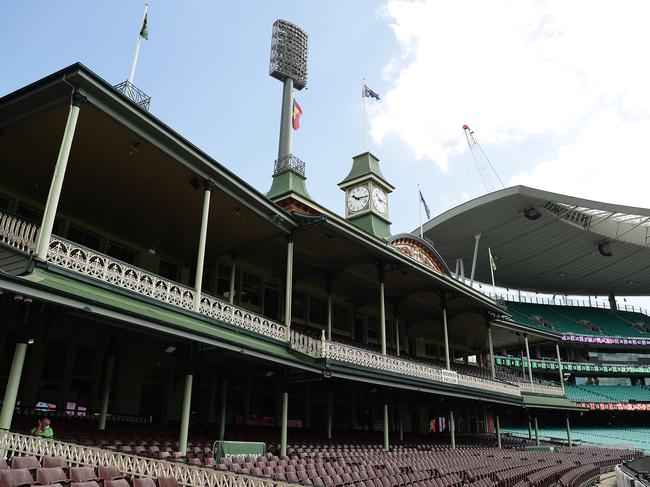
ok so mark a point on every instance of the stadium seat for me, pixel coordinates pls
(82, 475)
(29, 462)
(15, 477)
(51, 475)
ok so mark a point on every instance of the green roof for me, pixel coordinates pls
(548, 402)
(365, 164)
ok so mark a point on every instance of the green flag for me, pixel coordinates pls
(144, 31)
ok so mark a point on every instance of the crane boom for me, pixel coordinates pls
(483, 164)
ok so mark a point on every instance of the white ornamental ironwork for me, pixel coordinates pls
(543, 389)
(63, 253)
(130, 465)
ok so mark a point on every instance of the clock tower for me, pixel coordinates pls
(366, 196)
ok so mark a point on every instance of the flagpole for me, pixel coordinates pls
(363, 98)
(420, 207)
(494, 290)
(137, 46)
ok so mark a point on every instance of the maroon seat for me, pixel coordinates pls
(209, 462)
(51, 475)
(80, 475)
(90, 483)
(15, 477)
(168, 482)
(144, 482)
(116, 483)
(3, 464)
(109, 472)
(29, 462)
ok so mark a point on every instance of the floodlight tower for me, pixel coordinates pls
(289, 65)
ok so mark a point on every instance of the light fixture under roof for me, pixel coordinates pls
(532, 213)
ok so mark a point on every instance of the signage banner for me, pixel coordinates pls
(231, 449)
(616, 406)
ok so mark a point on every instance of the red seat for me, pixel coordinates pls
(168, 482)
(29, 462)
(82, 474)
(90, 483)
(116, 483)
(15, 477)
(144, 482)
(109, 472)
(51, 475)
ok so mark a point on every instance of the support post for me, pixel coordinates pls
(185, 415)
(11, 391)
(498, 431)
(386, 427)
(106, 393)
(289, 286)
(224, 404)
(284, 420)
(330, 413)
(400, 424)
(203, 234)
(452, 429)
(233, 275)
(446, 337)
(559, 365)
(493, 371)
(284, 147)
(530, 369)
(536, 431)
(396, 314)
(530, 429)
(477, 237)
(329, 308)
(382, 311)
(52, 203)
(568, 432)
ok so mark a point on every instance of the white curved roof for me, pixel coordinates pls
(558, 252)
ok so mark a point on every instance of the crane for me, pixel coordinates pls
(483, 164)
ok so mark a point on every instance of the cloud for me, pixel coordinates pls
(513, 70)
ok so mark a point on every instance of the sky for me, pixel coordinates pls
(556, 92)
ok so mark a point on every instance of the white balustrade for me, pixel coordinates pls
(130, 465)
(543, 389)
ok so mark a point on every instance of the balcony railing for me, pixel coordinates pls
(289, 163)
(23, 235)
(135, 94)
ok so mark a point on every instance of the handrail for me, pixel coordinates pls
(130, 465)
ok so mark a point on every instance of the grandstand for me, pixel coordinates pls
(179, 326)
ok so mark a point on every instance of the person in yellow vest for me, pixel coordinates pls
(43, 429)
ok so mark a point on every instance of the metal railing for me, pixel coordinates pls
(135, 94)
(289, 163)
(80, 259)
(130, 465)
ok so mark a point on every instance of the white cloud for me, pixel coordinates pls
(576, 70)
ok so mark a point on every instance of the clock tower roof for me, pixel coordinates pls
(363, 166)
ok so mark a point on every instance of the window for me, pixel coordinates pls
(85, 238)
(168, 270)
(298, 305)
(120, 252)
(250, 290)
(340, 317)
(84, 361)
(223, 281)
(317, 310)
(429, 349)
(371, 327)
(29, 213)
(206, 283)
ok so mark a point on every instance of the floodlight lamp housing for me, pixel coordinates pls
(289, 53)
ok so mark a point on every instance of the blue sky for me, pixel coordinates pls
(559, 100)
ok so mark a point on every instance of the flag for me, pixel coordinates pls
(493, 263)
(144, 30)
(426, 208)
(295, 116)
(368, 93)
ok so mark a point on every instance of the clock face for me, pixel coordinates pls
(358, 198)
(379, 200)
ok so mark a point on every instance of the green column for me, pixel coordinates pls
(289, 287)
(203, 235)
(568, 432)
(530, 430)
(11, 391)
(233, 275)
(382, 311)
(52, 202)
(452, 429)
(106, 393)
(330, 413)
(559, 365)
(446, 337)
(283, 422)
(386, 427)
(493, 372)
(329, 308)
(224, 403)
(185, 414)
(536, 431)
(530, 370)
(498, 431)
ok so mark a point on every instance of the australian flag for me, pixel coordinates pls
(368, 93)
